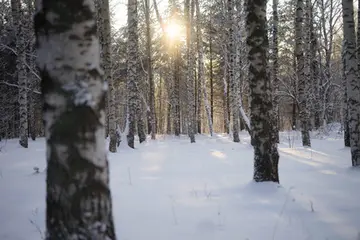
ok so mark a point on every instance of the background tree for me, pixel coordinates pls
(17, 16)
(134, 101)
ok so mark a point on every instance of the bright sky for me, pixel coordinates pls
(119, 8)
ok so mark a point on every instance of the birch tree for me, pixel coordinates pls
(352, 82)
(105, 33)
(202, 68)
(266, 155)
(234, 82)
(275, 68)
(17, 17)
(78, 195)
(134, 101)
(300, 72)
(152, 115)
(190, 71)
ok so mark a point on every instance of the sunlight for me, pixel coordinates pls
(218, 154)
(173, 30)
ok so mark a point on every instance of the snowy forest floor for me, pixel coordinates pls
(169, 189)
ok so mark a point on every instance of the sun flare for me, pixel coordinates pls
(173, 30)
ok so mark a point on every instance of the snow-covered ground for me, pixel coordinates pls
(169, 189)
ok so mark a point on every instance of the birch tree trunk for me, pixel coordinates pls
(104, 21)
(176, 91)
(132, 73)
(275, 68)
(352, 85)
(211, 76)
(266, 155)
(190, 71)
(345, 102)
(78, 195)
(202, 69)
(300, 72)
(17, 16)
(152, 114)
(225, 89)
(133, 78)
(234, 82)
(314, 72)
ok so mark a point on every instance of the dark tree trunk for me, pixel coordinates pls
(211, 78)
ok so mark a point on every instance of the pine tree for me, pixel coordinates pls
(78, 195)
(266, 155)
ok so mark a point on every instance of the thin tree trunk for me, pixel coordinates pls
(300, 72)
(211, 76)
(225, 96)
(17, 16)
(150, 72)
(176, 92)
(275, 67)
(345, 104)
(190, 71)
(202, 69)
(132, 70)
(104, 21)
(234, 82)
(78, 195)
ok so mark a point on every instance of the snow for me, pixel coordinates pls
(169, 189)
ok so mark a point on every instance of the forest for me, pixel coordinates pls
(198, 113)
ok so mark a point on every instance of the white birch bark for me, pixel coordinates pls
(78, 196)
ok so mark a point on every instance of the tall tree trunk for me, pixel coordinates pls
(190, 71)
(275, 68)
(176, 92)
(211, 75)
(266, 155)
(132, 70)
(225, 85)
(307, 61)
(17, 16)
(345, 103)
(140, 123)
(314, 72)
(300, 72)
(198, 98)
(33, 82)
(105, 33)
(152, 114)
(234, 83)
(78, 195)
(352, 85)
(202, 68)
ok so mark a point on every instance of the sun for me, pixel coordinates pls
(173, 30)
